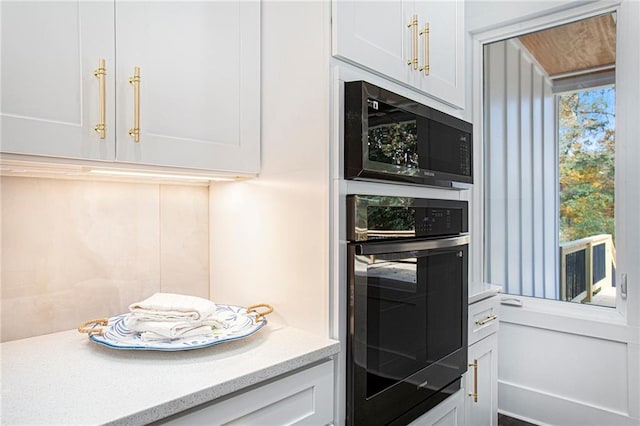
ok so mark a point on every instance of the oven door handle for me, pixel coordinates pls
(405, 246)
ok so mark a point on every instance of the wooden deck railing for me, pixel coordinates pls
(586, 266)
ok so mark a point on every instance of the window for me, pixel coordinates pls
(586, 163)
(549, 161)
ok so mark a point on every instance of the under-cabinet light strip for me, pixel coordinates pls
(159, 175)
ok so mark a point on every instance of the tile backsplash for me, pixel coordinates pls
(76, 250)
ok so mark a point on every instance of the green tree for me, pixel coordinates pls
(587, 163)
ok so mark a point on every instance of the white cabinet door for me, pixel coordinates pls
(50, 97)
(484, 410)
(199, 83)
(445, 79)
(304, 398)
(375, 35)
(449, 412)
(378, 36)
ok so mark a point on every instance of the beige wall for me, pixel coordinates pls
(271, 235)
(75, 250)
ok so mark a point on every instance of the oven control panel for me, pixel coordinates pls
(438, 221)
(386, 218)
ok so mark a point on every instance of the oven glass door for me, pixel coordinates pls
(408, 325)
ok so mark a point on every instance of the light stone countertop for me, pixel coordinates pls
(64, 378)
(488, 290)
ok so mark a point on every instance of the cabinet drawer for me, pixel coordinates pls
(305, 397)
(483, 319)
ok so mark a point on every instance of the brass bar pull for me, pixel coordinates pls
(135, 81)
(475, 380)
(425, 32)
(486, 320)
(414, 48)
(100, 73)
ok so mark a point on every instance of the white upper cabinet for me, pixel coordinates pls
(199, 67)
(50, 96)
(445, 52)
(374, 35)
(198, 104)
(399, 39)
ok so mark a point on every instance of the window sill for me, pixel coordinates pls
(573, 318)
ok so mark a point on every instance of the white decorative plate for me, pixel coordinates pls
(238, 324)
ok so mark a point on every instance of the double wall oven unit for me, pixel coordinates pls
(407, 306)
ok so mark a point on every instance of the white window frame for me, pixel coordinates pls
(614, 321)
(610, 325)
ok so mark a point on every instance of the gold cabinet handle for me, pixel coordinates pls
(100, 73)
(486, 320)
(135, 81)
(414, 49)
(475, 380)
(425, 33)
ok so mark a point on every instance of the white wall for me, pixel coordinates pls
(270, 236)
(578, 362)
(520, 166)
(539, 337)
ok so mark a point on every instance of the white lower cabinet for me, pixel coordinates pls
(483, 410)
(481, 379)
(302, 398)
(449, 412)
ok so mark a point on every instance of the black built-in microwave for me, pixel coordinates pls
(389, 137)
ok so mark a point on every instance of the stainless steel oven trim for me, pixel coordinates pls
(407, 246)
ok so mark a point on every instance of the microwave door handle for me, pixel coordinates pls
(405, 246)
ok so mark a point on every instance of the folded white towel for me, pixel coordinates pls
(163, 330)
(203, 331)
(172, 316)
(172, 307)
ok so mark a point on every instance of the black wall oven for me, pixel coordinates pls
(391, 138)
(407, 306)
